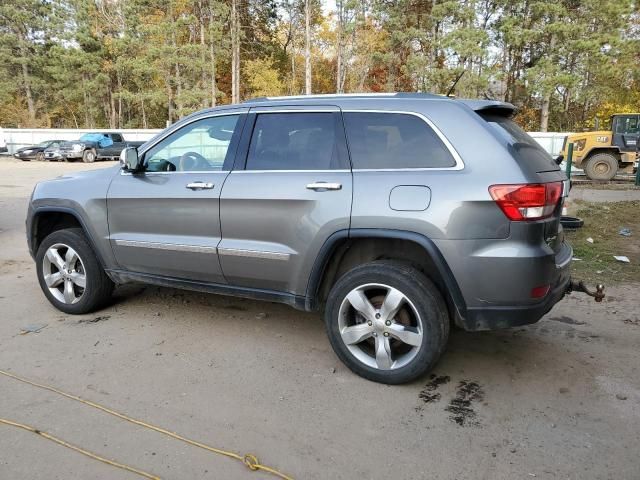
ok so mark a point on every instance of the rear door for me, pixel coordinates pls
(166, 220)
(290, 190)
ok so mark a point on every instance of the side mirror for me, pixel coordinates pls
(129, 161)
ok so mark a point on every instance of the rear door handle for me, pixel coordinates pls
(200, 185)
(320, 186)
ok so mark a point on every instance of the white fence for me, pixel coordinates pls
(550, 141)
(22, 137)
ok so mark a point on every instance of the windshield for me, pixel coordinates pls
(44, 144)
(91, 137)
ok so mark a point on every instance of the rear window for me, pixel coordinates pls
(394, 140)
(524, 148)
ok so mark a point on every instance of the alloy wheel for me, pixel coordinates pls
(380, 326)
(64, 273)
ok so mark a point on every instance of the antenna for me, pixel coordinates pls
(455, 83)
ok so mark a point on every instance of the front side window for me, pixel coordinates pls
(394, 140)
(295, 141)
(627, 125)
(200, 146)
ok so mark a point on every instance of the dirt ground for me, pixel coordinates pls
(555, 400)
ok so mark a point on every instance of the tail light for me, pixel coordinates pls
(527, 201)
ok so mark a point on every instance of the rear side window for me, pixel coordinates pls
(296, 141)
(524, 148)
(116, 137)
(394, 140)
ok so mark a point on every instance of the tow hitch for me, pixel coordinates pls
(574, 286)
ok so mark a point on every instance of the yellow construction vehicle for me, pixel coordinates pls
(603, 153)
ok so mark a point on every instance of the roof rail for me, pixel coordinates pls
(345, 95)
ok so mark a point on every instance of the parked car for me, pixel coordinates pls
(396, 215)
(96, 146)
(52, 154)
(36, 152)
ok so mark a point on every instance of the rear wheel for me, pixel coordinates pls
(387, 322)
(69, 273)
(602, 166)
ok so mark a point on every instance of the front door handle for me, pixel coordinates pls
(200, 185)
(321, 186)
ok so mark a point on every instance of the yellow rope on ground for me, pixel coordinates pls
(251, 461)
(78, 449)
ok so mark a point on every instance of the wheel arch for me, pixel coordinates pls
(612, 150)
(46, 220)
(327, 266)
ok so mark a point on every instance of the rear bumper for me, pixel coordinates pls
(498, 317)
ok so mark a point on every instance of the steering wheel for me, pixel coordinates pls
(191, 161)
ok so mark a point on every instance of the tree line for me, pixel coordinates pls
(143, 63)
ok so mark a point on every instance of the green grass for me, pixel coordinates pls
(602, 222)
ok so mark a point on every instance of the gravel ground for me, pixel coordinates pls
(555, 400)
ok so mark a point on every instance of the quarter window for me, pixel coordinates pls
(394, 140)
(296, 141)
(200, 146)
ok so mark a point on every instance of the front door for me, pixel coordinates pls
(166, 220)
(626, 129)
(289, 192)
(116, 147)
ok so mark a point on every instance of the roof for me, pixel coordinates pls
(474, 104)
(366, 101)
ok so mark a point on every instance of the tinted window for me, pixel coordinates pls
(523, 147)
(627, 125)
(394, 140)
(295, 141)
(116, 137)
(199, 146)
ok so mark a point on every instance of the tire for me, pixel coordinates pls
(40, 156)
(97, 286)
(89, 156)
(601, 166)
(422, 309)
(571, 223)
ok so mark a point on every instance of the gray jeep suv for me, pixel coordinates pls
(395, 214)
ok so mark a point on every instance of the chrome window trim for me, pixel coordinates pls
(177, 247)
(342, 170)
(170, 130)
(240, 252)
(456, 156)
(293, 109)
(197, 172)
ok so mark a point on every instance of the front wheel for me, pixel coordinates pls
(89, 156)
(601, 166)
(387, 322)
(70, 274)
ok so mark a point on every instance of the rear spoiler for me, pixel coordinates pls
(491, 107)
